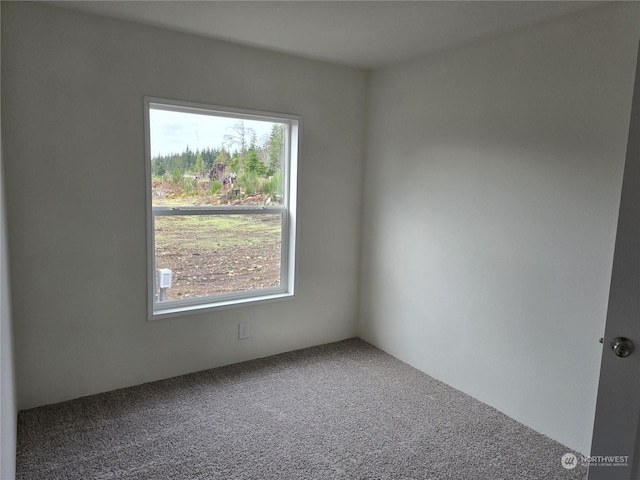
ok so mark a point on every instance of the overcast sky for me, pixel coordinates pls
(171, 132)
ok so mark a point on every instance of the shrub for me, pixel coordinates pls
(273, 185)
(176, 175)
(215, 186)
(249, 183)
(188, 185)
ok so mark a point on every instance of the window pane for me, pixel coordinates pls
(211, 173)
(217, 254)
(205, 159)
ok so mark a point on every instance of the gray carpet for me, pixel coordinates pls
(340, 411)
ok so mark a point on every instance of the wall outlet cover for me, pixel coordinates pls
(243, 331)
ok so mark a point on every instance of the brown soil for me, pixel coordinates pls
(198, 272)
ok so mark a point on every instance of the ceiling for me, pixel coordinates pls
(363, 34)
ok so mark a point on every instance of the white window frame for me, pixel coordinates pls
(173, 308)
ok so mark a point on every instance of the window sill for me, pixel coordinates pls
(184, 310)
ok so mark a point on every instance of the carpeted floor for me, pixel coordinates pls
(340, 411)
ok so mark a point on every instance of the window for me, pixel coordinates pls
(221, 191)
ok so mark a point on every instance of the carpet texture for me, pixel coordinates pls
(340, 411)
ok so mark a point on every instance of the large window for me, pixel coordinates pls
(221, 187)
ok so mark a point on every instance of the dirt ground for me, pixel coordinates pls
(198, 272)
(200, 269)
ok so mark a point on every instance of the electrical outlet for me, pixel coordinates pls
(243, 331)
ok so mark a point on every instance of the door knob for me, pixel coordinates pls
(622, 347)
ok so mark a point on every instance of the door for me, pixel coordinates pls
(614, 451)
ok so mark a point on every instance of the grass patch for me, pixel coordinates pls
(216, 231)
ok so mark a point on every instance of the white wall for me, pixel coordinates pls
(8, 409)
(74, 155)
(491, 199)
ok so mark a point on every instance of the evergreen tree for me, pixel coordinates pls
(275, 148)
(199, 167)
(253, 163)
(223, 157)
